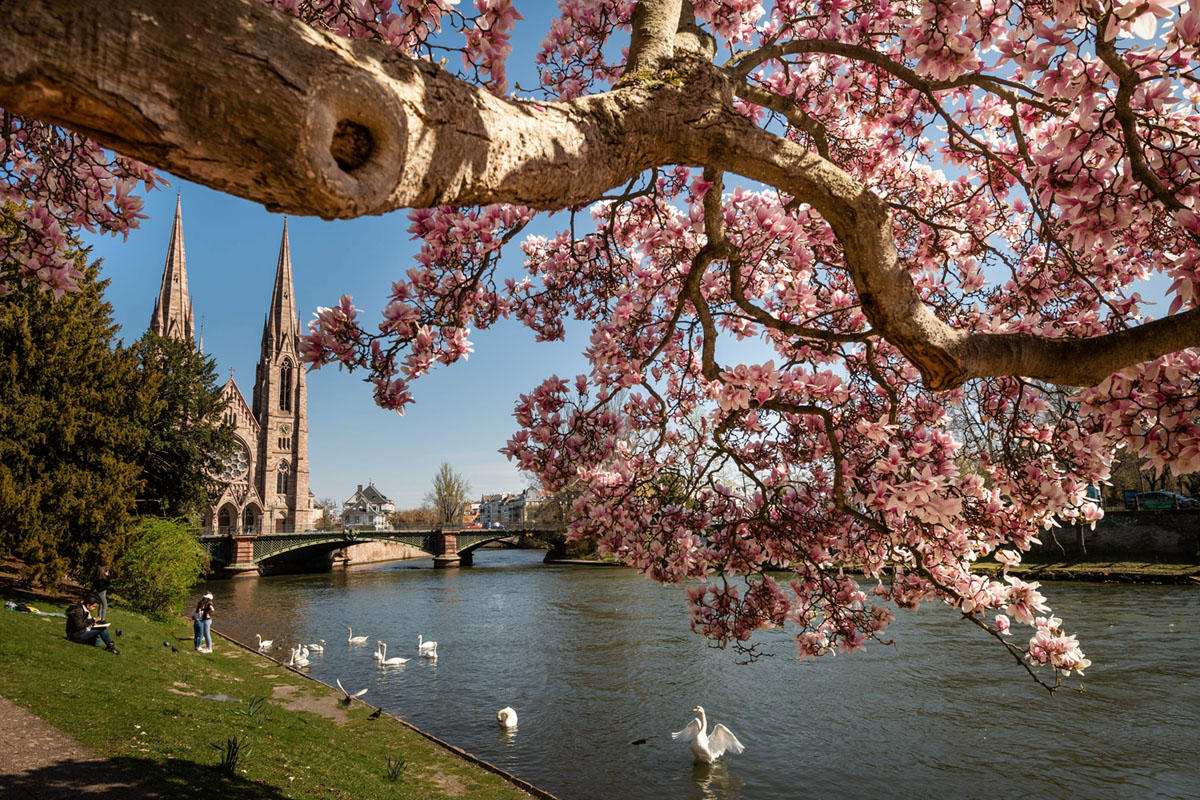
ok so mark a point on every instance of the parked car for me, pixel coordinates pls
(496, 526)
(1160, 500)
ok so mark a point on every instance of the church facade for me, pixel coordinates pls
(267, 475)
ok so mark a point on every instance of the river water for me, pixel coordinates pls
(595, 658)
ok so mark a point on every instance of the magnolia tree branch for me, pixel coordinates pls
(247, 100)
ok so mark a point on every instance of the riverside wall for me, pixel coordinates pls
(1167, 534)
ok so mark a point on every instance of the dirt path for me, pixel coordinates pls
(40, 762)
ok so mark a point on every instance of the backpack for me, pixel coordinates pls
(199, 614)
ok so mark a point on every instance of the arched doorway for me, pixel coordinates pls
(226, 519)
(250, 520)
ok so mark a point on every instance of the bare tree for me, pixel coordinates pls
(329, 513)
(449, 495)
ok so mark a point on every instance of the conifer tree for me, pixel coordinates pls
(68, 437)
(186, 437)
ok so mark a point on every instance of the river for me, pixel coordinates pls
(594, 659)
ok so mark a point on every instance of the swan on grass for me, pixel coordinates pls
(352, 639)
(346, 696)
(264, 644)
(507, 717)
(708, 747)
(384, 661)
(426, 648)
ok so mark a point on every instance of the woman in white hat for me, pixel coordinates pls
(202, 623)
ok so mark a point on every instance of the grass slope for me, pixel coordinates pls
(145, 709)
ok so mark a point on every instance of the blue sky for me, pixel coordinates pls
(462, 414)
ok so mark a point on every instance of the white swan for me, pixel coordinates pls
(708, 747)
(426, 648)
(318, 648)
(507, 717)
(264, 644)
(352, 639)
(384, 661)
(378, 654)
(299, 657)
(346, 696)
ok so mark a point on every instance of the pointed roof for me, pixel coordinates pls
(281, 327)
(172, 315)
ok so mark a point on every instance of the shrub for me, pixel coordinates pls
(162, 563)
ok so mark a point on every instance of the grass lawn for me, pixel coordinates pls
(1104, 569)
(146, 709)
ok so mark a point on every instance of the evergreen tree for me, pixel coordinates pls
(187, 438)
(68, 437)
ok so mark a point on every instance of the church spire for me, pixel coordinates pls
(173, 310)
(280, 328)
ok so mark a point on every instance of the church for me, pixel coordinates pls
(267, 475)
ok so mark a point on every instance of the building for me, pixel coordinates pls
(518, 508)
(268, 471)
(367, 508)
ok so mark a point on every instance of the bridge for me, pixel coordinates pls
(238, 553)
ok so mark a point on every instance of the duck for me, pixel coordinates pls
(428, 649)
(507, 717)
(346, 696)
(352, 639)
(264, 644)
(384, 661)
(708, 747)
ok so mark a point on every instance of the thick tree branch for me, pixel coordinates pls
(250, 101)
(243, 98)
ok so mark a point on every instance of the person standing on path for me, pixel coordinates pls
(100, 587)
(202, 623)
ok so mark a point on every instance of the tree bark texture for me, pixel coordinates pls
(247, 100)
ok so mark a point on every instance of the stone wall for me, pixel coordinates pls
(371, 552)
(1147, 534)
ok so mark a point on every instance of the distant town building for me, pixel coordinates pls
(518, 508)
(489, 509)
(367, 508)
(267, 474)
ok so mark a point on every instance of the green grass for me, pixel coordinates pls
(1099, 568)
(145, 711)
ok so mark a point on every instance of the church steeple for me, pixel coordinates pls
(172, 315)
(280, 406)
(281, 326)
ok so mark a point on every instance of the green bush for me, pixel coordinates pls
(162, 563)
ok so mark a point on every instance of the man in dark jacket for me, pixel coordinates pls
(81, 627)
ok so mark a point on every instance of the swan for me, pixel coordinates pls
(708, 747)
(426, 648)
(384, 661)
(318, 648)
(378, 654)
(264, 644)
(346, 696)
(299, 657)
(507, 717)
(352, 639)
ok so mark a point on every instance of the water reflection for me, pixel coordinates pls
(594, 660)
(714, 782)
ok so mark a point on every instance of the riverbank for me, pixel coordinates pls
(169, 716)
(1099, 571)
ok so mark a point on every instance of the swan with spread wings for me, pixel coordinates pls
(708, 747)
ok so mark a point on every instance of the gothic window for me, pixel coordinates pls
(285, 387)
(281, 479)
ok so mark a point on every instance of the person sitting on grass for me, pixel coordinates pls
(82, 628)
